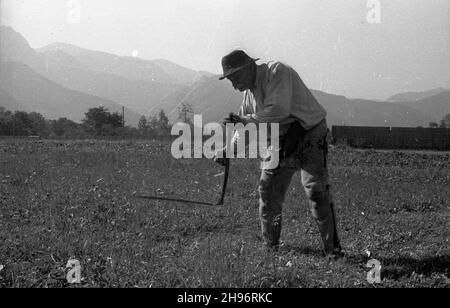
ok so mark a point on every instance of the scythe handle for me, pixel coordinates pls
(225, 181)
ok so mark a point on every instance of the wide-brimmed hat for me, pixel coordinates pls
(235, 61)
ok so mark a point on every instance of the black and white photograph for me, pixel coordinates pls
(226, 150)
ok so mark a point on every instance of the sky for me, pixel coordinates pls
(357, 48)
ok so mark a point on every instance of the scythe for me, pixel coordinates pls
(225, 181)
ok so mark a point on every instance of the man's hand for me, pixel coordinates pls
(220, 159)
(234, 118)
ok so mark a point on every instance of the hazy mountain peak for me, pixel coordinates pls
(160, 70)
(435, 106)
(414, 96)
(37, 93)
(62, 58)
(76, 51)
(68, 48)
(8, 34)
(322, 93)
(14, 46)
(179, 73)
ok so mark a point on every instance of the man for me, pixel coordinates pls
(274, 93)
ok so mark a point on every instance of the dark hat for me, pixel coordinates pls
(235, 61)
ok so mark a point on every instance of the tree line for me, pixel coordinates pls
(98, 122)
(445, 122)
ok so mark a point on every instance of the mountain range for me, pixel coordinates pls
(434, 106)
(414, 96)
(66, 80)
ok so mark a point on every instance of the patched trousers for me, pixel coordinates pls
(310, 159)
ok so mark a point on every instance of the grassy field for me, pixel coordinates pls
(83, 200)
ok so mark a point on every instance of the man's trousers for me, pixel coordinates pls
(310, 159)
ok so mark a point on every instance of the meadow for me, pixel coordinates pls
(88, 200)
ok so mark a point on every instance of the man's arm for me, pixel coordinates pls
(277, 104)
(221, 153)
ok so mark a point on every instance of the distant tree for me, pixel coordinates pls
(163, 121)
(185, 113)
(64, 127)
(108, 130)
(153, 123)
(433, 125)
(95, 118)
(39, 124)
(142, 125)
(5, 122)
(155, 126)
(445, 122)
(115, 120)
(22, 124)
(101, 121)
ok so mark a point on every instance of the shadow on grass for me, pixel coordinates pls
(303, 250)
(403, 266)
(391, 268)
(395, 268)
(176, 200)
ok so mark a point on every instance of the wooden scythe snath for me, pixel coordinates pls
(225, 181)
(226, 159)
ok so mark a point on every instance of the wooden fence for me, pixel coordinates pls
(392, 137)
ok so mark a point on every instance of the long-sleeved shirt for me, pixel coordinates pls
(280, 96)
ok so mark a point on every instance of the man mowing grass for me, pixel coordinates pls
(275, 93)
